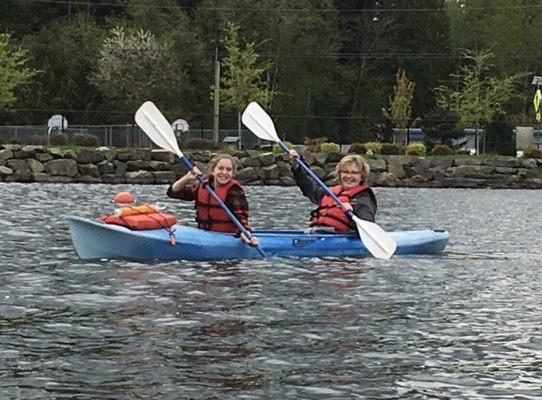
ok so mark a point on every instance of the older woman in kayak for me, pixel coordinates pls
(210, 216)
(352, 172)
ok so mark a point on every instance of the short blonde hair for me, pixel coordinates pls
(358, 161)
(214, 161)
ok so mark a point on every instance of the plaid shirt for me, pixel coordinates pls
(236, 200)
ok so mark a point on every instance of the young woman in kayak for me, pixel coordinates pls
(210, 216)
(355, 195)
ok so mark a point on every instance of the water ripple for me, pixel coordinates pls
(461, 325)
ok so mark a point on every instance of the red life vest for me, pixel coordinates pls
(209, 215)
(329, 213)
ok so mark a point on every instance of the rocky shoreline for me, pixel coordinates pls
(145, 166)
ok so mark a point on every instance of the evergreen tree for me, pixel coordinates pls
(14, 71)
(241, 80)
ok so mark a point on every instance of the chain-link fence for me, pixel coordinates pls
(129, 135)
(106, 135)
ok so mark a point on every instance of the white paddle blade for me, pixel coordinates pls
(259, 122)
(156, 126)
(375, 239)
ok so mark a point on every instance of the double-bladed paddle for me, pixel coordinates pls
(375, 239)
(158, 129)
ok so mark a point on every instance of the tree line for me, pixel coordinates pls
(343, 69)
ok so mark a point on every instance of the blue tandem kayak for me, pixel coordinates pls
(97, 240)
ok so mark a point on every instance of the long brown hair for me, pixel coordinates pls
(214, 161)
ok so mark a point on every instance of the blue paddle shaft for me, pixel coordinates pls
(300, 162)
(234, 219)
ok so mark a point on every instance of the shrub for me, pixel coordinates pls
(375, 147)
(429, 145)
(58, 139)
(84, 139)
(329, 147)
(442, 150)
(315, 144)
(357, 148)
(16, 141)
(38, 140)
(1, 141)
(416, 149)
(531, 152)
(389, 149)
(200, 144)
(277, 149)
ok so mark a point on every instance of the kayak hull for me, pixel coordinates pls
(96, 240)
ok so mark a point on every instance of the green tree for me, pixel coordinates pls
(241, 81)
(400, 106)
(65, 51)
(300, 39)
(479, 96)
(507, 28)
(14, 71)
(135, 66)
(378, 37)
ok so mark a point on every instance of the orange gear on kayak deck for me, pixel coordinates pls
(137, 210)
(123, 198)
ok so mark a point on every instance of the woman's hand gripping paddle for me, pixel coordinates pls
(375, 239)
(158, 129)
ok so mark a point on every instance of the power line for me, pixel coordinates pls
(350, 56)
(289, 10)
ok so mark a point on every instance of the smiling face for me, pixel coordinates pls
(223, 171)
(350, 175)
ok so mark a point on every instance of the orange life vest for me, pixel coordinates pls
(329, 213)
(140, 218)
(209, 215)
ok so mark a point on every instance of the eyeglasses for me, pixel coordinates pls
(350, 172)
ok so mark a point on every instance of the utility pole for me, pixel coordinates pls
(216, 99)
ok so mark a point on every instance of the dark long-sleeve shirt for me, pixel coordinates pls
(236, 200)
(362, 203)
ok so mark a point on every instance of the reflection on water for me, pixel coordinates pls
(462, 325)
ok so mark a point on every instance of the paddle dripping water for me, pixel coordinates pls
(375, 239)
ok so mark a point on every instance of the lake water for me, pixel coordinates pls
(463, 325)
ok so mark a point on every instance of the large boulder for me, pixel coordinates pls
(159, 166)
(35, 165)
(89, 170)
(377, 165)
(60, 167)
(86, 156)
(106, 167)
(266, 159)
(30, 151)
(245, 175)
(164, 176)
(5, 171)
(269, 173)
(109, 154)
(143, 177)
(249, 162)
(18, 165)
(44, 157)
(387, 179)
(6, 154)
(162, 155)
